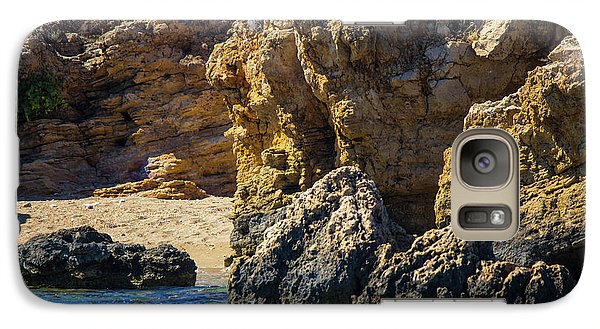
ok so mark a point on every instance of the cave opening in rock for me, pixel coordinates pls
(126, 116)
(121, 142)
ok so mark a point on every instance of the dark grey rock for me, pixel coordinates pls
(248, 229)
(322, 246)
(540, 283)
(336, 244)
(81, 257)
(437, 265)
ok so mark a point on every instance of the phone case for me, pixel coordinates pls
(291, 161)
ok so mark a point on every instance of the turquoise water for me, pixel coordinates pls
(161, 295)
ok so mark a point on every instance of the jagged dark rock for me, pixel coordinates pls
(81, 257)
(539, 283)
(335, 244)
(437, 264)
(321, 248)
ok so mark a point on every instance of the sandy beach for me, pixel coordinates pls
(200, 227)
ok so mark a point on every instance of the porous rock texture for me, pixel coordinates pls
(137, 96)
(335, 243)
(322, 246)
(81, 257)
(439, 265)
(547, 118)
(307, 97)
(539, 283)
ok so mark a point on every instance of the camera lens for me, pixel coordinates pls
(484, 162)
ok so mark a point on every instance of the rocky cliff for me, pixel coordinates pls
(393, 104)
(547, 118)
(138, 106)
(306, 97)
(332, 139)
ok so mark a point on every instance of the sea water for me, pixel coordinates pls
(210, 288)
(160, 295)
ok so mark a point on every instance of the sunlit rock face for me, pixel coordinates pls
(137, 97)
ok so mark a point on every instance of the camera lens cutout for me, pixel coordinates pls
(484, 162)
(485, 185)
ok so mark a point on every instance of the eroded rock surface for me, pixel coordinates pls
(307, 97)
(540, 283)
(546, 117)
(81, 257)
(439, 265)
(136, 91)
(155, 188)
(336, 244)
(322, 247)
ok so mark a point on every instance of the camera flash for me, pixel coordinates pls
(497, 217)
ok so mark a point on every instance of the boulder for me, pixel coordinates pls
(321, 247)
(82, 257)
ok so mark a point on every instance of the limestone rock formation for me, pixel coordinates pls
(521, 285)
(136, 94)
(437, 265)
(282, 139)
(322, 247)
(546, 117)
(336, 244)
(81, 257)
(154, 188)
(307, 97)
(332, 138)
(499, 39)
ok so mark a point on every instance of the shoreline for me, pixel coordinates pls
(200, 227)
